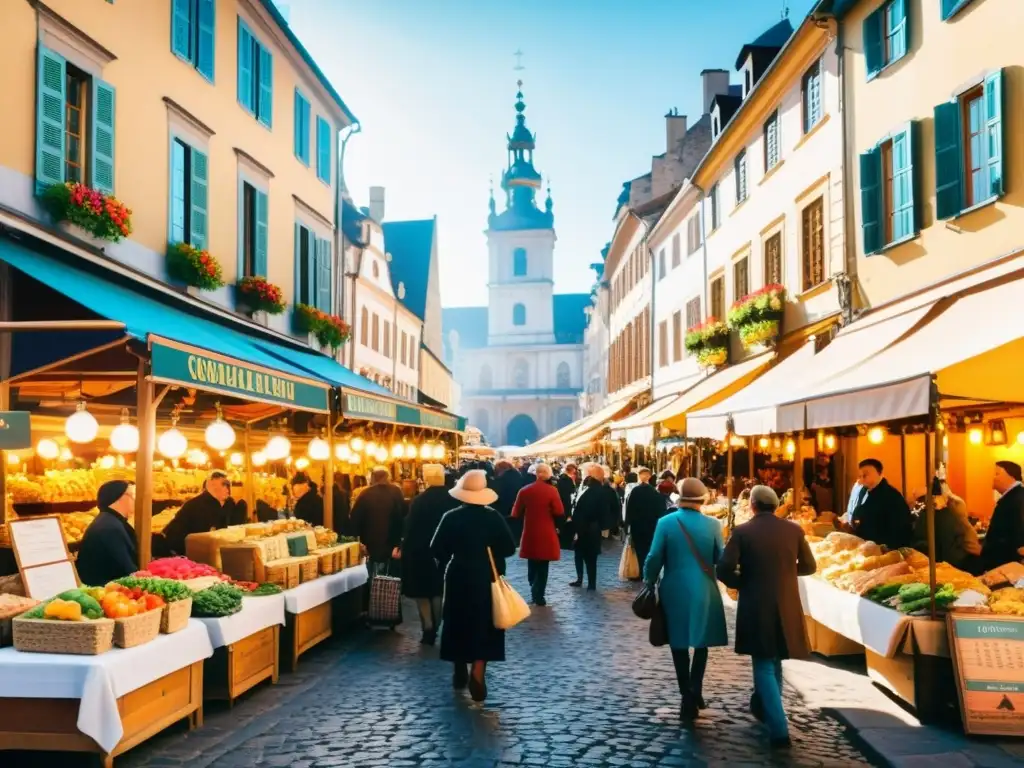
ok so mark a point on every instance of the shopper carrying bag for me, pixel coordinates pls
(629, 567)
(507, 606)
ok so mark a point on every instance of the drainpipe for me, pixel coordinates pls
(849, 234)
(704, 252)
(651, 325)
(339, 237)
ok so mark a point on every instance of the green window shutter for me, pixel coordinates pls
(198, 199)
(994, 131)
(297, 264)
(874, 47)
(206, 15)
(50, 119)
(904, 192)
(262, 214)
(948, 161)
(323, 150)
(952, 7)
(301, 127)
(181, 28)
(103, 136)
(871, 200)
(245, 67)
(899, 30)
(323, 275)
(266, 96)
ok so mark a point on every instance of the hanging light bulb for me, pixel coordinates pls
(876, 435)
(382, 454)
(197, 458)
(790, 447)
(236, 460)
(277, 447)
(259, 459)
(107, 462)
(398, 451)
(66, 455)
(301, 463)
(763, 443)
(13, 459)
(370, 449)
(975, 435)
(440, 451)
(356, 445)
(172, 444)
(124, 438)
(219, 434)
(426, 451)
(81, 426)
(342, 452)
(318, 449)
(49, 450)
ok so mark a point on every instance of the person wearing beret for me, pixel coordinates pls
(108, 548)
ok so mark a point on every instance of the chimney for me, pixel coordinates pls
(377, 204)
(716, 82)
(675, 130)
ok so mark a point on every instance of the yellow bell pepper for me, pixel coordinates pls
(63, 610)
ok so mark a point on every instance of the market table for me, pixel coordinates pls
(246, 648)
(309, 614)
(106, 703)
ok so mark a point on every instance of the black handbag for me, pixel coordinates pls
(645, 604)
(657, 633)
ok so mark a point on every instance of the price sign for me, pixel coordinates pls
(988, 659)
(42, 555)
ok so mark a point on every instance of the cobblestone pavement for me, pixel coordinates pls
(581, 687)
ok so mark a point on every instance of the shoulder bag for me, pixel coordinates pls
(693, 548)
(507, 606)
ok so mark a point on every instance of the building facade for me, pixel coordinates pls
(596, 344)
(519, 361)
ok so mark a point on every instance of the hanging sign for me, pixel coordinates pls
(42, 556)
(355, 406)
(180, 364)
(988, 660)
(15, 430)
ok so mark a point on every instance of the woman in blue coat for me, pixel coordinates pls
(687, 544)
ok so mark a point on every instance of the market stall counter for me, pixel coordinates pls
(309, 609)
(107, 703)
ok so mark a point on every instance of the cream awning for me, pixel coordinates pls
(645, 417)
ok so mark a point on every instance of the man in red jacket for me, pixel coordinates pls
(538, 504)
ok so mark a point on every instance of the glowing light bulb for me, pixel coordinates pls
(81, 426)
(398, 451)
(370, 449)
(975, 435)
(763, 443)
(236, 460)
(356, 445)
(172, 444)
(876, 435)
(13, 459)
(220, 435)
(259, 459)
(49, 450)
(301, 463)
(277, 447)
(426, 451)
(124, 438)
(318, 449)
(66, 455)
(790, 447)
(440, 451)
(342, 452)
(381, 454)
(107, 462)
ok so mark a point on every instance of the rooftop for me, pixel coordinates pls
(411, 245)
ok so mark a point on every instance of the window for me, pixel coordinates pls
(74, 125)
(888, 191)
(662, 269)
(952, 7)
(741, 176)
(773, 260)
(693, 234)
(676, 251)
(364, 326)
(486, 377)
(677, 337)
(521, 375)
(519, 314)
(375, 269)
(714, 126)
(886, 36)
(771, 141)
(718, 298)
(412, 352)
(375, 334)
(405, 346)
(969, 148)
(740, 279)
(301, 127)
(810, 92)
(562, 376)
(192, 33)
(663, 343)
(255, 76)
(253, 257)
(519, 262)
(746, 81)
(323, 150)
(387, 339)
(714, 207)
(693, 313)
(312, 269)
(814, 244)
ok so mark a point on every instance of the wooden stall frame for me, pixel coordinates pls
(305, 630)
(236, 668)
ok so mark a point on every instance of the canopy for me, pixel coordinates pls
(711, 390)
(644, 417)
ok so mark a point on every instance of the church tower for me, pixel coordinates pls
(521, 245)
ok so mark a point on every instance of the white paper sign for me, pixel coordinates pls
(38, 541)
(45, 581)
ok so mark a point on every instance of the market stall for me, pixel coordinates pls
(310, 610)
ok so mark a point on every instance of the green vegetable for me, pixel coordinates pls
(91, 609)
(218, 600)
(266, 589)
(915, 605)
(169, 589)
(915, 591)
(884, 592)
(35, 613)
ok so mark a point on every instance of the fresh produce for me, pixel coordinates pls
(180, 569)
(218, 600)
(168, 589)
(12, 605)
(245, 586)
(120, 602)
(63, 610)
(1008, 601)
(266, 589)
(944, 596)
(913, 591)
(89, 606)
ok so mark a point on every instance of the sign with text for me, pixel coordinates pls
(363, 407)
(42, 556)
(15, 430)
(988, 660)
(176, 364)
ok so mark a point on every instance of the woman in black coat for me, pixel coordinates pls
(422, 580)
(595, 505)
(468, 635)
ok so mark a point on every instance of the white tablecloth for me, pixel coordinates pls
(98, 681)
(874, 626)
(319, 591)
(257, 613)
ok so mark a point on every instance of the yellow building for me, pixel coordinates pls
(934, 88)
(209, 120)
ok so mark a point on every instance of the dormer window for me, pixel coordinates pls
(747, 84)
(716, 127)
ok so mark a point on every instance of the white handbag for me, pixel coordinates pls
(629, 566)
(507, 606)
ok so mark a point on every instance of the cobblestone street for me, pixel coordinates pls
(582, 687)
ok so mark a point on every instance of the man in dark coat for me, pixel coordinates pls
(377, 517)
(309, 505)
(200, 514)
(645, 506)
(595, 504)
(108, 549)
(882, 514)
(507, 483)
(762, 560)
(1005, 535)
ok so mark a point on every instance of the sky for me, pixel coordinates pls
(433, 84)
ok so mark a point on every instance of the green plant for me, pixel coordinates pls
(101, 215)
(330, 330)
(194, 267)
(757, 317)
(709, 335)
(759, 332)
(261, 295)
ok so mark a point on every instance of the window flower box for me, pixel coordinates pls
(256, 294)
(757, 317)
(709, 342)
(193, 267)
(329, 330)
(96, 214)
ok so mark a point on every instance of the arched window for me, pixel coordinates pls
(376, 270)
(519, 314)
(521, 374)
(486, 379)
(519, 262)
(364, 326)
(562, 376)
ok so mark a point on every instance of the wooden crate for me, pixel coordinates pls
(303, 631)
(824, 642)
(234, 669)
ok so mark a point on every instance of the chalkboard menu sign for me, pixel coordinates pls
(988, 659)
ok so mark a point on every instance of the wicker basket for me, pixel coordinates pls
(243, 561)
(175, 616)
(326, 560)
(86, 638)
(284, 573)
(138, 629)
(309, 568)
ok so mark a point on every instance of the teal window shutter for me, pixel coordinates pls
(323, 275)
(871, 200)
(994, 131)
(50, 119)
(181, 28)
(262, 214)
(874, 46)
(948, 161)
(245, 67)
(898, 31)
(301, 127)
(904, 197)
(103, 136)
(199, 199)
(323, 150)
(266, 93)
(204, 59)
(952, 7)
(298, 264)
(177, 232)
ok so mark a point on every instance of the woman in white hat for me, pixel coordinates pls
(468, 634)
